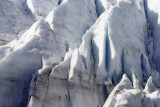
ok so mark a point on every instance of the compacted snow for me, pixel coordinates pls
(79, 53)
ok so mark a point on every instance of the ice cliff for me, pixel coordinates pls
(79, 53)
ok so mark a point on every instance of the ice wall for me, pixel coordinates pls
(110, 48)
(152, 14)
(80, 53)
(43, 45)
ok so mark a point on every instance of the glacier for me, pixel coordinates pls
(79, 53)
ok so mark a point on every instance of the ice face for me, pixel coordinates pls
(43, 45)
(152, 14)
(81, 53)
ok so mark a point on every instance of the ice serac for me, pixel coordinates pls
(44, 45)
(17, 16)
(80, 53)
(110, 48)
(125, 98)
(125, 95)
(74, 22)
(125, 41)
(119, 43)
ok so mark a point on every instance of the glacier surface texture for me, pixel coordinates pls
(80, 53)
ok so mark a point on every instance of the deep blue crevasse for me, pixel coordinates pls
(107, 50)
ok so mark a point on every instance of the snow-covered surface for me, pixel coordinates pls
(79, 53)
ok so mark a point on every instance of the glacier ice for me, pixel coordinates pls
(41, 7)
(87, 64)
(152, 13)
(34, 49)
(15, 19)
(125, 95)
(79, 53)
